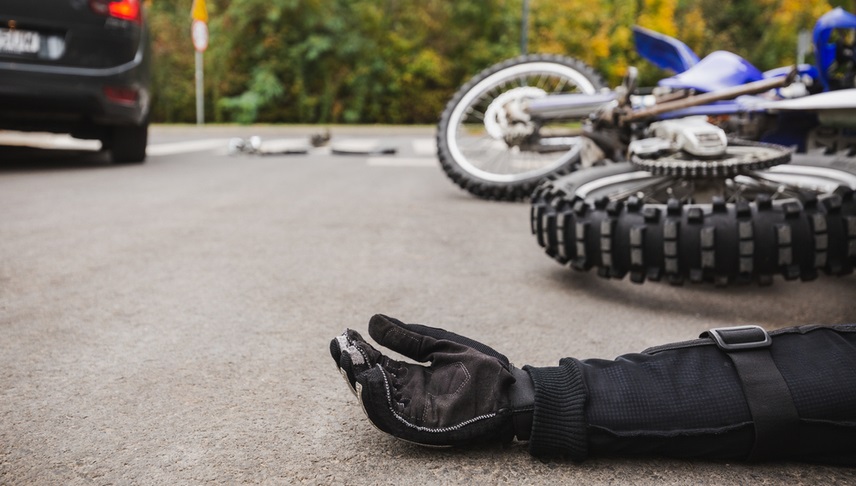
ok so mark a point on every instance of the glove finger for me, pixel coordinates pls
(341, 342)
(353, 356)
(421, 342)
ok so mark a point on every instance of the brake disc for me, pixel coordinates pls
(505, 120)
(740, 156)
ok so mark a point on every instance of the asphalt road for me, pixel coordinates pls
(168, 323)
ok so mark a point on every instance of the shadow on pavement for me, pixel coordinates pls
(783, 303)
(14, 158)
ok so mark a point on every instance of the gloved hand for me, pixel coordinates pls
(469, 393)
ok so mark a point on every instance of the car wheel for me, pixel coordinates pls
(127, 144)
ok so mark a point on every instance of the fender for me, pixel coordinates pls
(663, 51)
(844, 99)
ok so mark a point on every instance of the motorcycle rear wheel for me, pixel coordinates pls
(476, 150)
(792, 220)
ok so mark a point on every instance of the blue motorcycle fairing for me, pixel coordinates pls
(663, 51)
(825, 52)
(718, 70)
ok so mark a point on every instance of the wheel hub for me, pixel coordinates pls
(505, 119)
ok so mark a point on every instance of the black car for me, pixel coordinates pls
(79, 67)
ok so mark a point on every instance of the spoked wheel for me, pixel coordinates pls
(489, 146)
(790, 220)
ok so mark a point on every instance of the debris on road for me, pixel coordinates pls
(255, 146)
(361, 147)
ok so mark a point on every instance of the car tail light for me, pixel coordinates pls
(122, 95)
(120, 9)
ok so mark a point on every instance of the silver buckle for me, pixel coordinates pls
(717, 335)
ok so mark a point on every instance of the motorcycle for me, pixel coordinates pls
(693, 188)
(529, 118)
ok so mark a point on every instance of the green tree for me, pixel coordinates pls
(173, 96)
(399, 61)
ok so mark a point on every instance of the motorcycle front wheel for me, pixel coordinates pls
(791, 220)
(488, 147)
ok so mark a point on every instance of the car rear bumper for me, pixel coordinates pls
(39, 97)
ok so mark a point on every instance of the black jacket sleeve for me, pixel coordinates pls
(791, 397)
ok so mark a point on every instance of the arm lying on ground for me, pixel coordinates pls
(734, 393)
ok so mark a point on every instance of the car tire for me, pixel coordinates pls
(127, 144)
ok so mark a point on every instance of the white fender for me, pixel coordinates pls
(844, 99)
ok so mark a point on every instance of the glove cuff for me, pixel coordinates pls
(559, 425)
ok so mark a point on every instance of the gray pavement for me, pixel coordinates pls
(168, 323)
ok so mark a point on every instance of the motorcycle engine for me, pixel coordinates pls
(693, 135)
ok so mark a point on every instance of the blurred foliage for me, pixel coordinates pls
(399, 61)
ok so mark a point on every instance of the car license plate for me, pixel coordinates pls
(16, 41)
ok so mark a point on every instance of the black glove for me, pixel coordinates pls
(469, 393)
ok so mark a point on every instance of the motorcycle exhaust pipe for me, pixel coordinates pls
(566, 106)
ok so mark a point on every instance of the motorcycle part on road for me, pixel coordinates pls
(790, 220)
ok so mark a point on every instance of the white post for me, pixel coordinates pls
(803, 45)
(200, 87)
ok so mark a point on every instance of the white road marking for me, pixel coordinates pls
(402, 162)
(425, 146)
(186, 146)
(47, 141)
(66, 142)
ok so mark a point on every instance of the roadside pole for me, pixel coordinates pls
(524, 28)
(199, 34)
(200, 90)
